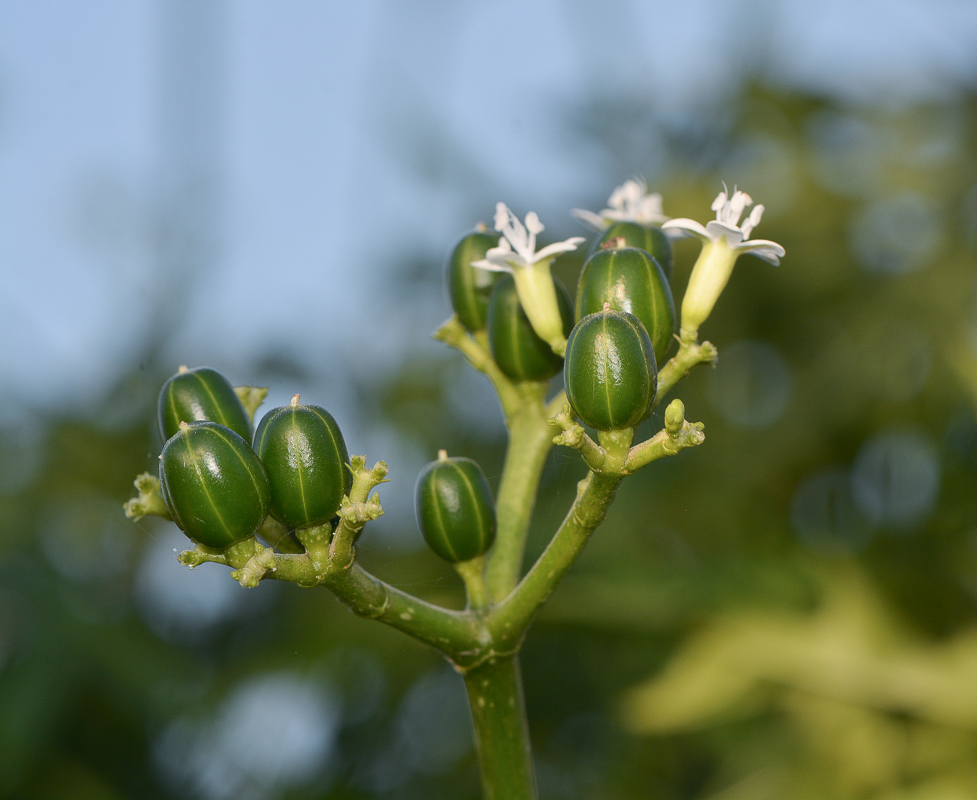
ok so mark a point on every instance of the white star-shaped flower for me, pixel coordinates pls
(727, 226)
(629, 202)
(724, 240)
(517, 255)
(517, 245)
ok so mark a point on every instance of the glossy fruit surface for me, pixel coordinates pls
(645, 237)
(469, 288)
(630, 280)
(305, 456)
(455, 511)
(213, 483)
(194, 395)
(519, 352)
(610, 373)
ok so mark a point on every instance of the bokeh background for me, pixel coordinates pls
(271, 190)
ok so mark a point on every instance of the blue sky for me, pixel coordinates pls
(330, 136)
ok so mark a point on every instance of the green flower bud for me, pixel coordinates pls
(194, 395)
(213, 483)
(674, 417)
(519, 352)
(630, 280)
(610, 373)
(305, 456)
(645, 237)
(455, 511)
(469, 288)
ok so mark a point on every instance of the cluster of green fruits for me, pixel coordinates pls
(624, 313)
(220, 479)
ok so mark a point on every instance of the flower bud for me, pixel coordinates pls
(520, 353)
(469, 288)
(649, 238)
(213, 483)
(674, 417)
(305, 456)
(610, 373)
(455, 511)
(198, 394)
(630, 280)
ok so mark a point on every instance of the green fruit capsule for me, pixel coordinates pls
(645, 237)
(305, 456)
(519, 352)
(610, 373)
(630, 280)
(469, 288)
(214, 485)
(454, 508)
(194, 395)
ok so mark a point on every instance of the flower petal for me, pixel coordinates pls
(558, 247)
(763, 248)
(686, 227)
(492, 266)
(717, 229)
(593, 221)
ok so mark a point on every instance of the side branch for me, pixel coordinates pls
(510, 619)
(455, 633)
(678, 434)
(453, 334)
(690, 353)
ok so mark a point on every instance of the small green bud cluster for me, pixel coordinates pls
(220, 485)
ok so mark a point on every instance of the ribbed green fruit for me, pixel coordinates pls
(519, 352)
(305, 456)
(214, 485)
(469, 288)
(632, 281)
(610, 373)
(646, 237)
(193, 395)
(455, 511)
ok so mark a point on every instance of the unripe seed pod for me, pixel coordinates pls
(645, 237)
(213, 483)
(610, 373)
(305, 456)
(519, 352)
(630, 280)
(455, 511)
(469, 288)
(194, 395)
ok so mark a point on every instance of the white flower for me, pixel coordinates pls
(517, 255)
(517, 245)
(726, 226)
(629, 202)
(724, 239)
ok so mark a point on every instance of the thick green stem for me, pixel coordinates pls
(530, 441)
(509, 620)
(501, 732)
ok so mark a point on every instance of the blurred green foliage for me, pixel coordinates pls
(786, 611)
